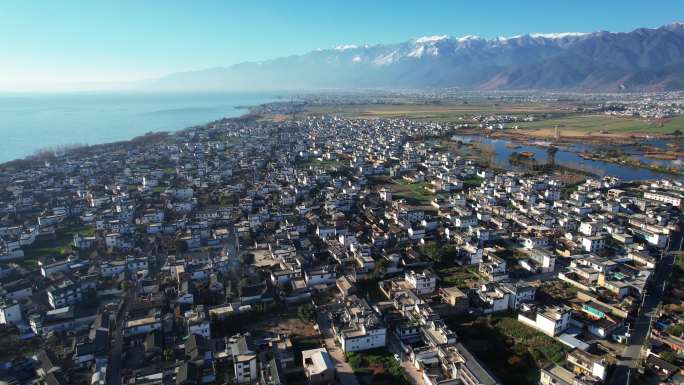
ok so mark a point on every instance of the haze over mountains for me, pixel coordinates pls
(644, 59)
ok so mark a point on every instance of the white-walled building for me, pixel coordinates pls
(664, 198)
(358, 327)
(593, 244)
(244, 359)
(422, 283)
(551, 321)
(318, 366)
(10, 313)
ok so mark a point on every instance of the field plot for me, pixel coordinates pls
(570, 125)
(62, 245)
(513, 351)
(584, 125)
(463, 277)
(414, 193)
(376, 367)
(436, 112)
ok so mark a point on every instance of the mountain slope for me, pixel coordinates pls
(644, 59)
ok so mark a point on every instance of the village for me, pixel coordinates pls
(322, 249)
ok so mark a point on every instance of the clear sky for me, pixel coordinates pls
(48, 44)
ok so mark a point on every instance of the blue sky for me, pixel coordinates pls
(51, 44)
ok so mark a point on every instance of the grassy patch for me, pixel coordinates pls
(376, 366)
(414, 193)
(62, 245)
(472, 182)
(159, 189)
(325, 163)
(515, 352)
(462, 277)
(552, 292)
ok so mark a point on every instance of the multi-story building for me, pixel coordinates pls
(551, 321)
(244, 359)
(358, 327)
(423, 283)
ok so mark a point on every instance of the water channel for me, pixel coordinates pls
(568, 156)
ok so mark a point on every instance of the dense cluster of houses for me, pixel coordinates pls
(124, 262)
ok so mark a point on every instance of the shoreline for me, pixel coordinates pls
(48, 152)
(34, 123)
(66, 149)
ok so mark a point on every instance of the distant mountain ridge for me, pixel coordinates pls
(644, 59)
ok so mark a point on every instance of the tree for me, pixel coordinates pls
(668, 356)
(677, 132)
(180, 246)
(168, 354)
(380, 268)
(306, 312)
(440, 255)
(676, 329)
(247, 258)
(126, 285)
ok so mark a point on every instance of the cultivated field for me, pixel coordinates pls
(435, 112)
(513, 351)
(601, 125)
(570, 125)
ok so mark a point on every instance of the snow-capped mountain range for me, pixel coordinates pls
(644, 59)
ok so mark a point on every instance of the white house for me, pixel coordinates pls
(534, 242)
(664, 198)
(320, 276)
(551, 321)
(318, 366)
(244, 359)
(593, 244)
(10, 313)
(422, 283)
(357, 327)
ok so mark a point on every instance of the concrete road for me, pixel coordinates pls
(413, 374)
(640, 328)
(114, 363)
(115, 360)
(345, 373)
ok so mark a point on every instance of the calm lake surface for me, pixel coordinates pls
(33, 121)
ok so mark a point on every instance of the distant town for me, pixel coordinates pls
(442, 238)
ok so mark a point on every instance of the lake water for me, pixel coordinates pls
(566, 157)
(30, 122)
